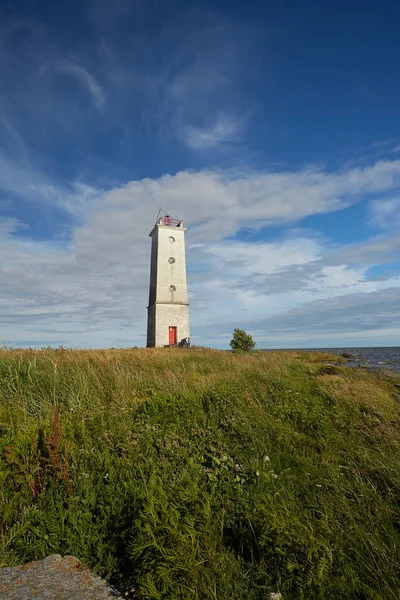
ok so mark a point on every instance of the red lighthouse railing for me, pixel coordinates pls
(167, 220)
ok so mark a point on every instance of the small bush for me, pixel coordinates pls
(241, 341)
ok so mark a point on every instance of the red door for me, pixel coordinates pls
(172, 335)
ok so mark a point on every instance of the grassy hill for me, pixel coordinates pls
(201, 474)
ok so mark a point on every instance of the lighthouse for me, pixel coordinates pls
(168, 309)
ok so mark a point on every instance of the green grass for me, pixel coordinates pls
(202, 474)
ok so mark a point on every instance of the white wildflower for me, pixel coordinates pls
(239, 468)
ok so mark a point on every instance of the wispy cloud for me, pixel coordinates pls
(12, 141)
(386, 147)
(88, 81)
(225, 130)
(204, 94)
(187, 81)
(385, 213)
(32, 186)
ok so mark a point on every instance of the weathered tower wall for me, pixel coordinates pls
(168, 300)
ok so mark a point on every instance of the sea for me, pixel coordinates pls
(372, 358)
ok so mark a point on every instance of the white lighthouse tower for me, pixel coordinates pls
(168, 310)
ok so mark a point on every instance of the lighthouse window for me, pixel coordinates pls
(171, 239)
(171, 260)
(172, 288)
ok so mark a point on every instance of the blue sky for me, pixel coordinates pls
(272, 128)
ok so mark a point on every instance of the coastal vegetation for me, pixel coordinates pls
(241, 341)
(199, 474)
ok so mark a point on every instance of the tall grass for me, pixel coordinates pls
(203, 474)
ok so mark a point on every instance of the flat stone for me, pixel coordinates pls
(54, 577)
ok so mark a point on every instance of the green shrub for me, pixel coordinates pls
(241, 341)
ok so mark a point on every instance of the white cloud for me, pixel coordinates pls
(340, 277)
(351, 314)
(31, 185)
(93, 290)
(385, 213)
(275, 279)
(260, 258)
(217, 204)
(10, 225)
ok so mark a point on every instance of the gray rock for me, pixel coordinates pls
(53, 578)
